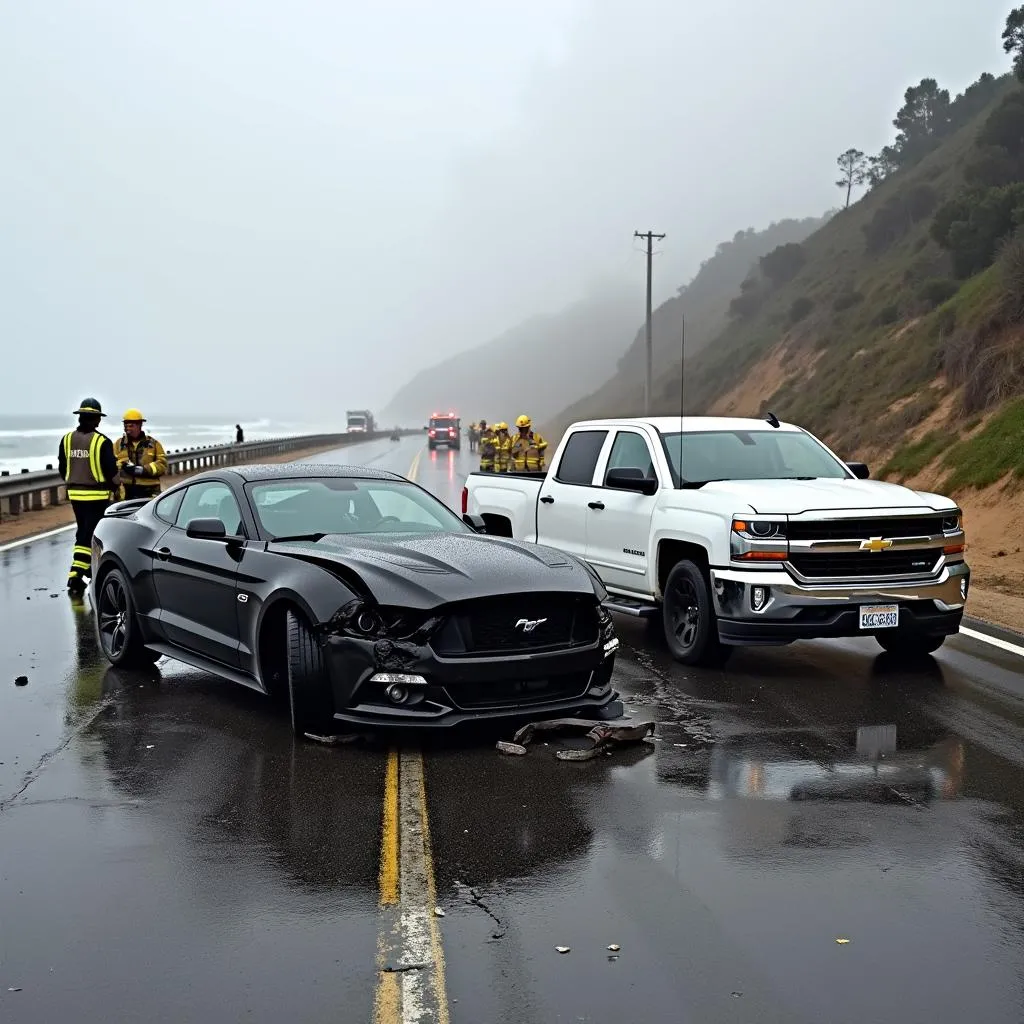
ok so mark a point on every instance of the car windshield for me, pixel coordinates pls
(441, 422)
(749, 455)
(324, 505)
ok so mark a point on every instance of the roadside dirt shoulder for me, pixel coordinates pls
(29, 524)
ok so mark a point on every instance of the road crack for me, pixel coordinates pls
(474, 898)
(40, 766)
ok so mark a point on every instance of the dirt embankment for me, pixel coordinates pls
(28, 524)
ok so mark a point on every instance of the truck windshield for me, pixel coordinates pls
(441, 422)
(702, 457)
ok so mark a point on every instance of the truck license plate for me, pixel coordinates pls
(879, 616)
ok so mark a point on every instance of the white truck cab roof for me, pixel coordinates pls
(690, 424)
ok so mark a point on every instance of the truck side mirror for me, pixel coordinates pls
(859, 470)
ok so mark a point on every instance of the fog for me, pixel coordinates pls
(288, 208)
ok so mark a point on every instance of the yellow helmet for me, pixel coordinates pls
(502, 426)
(133, 416)
(523, 421)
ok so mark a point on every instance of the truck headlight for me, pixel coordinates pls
(759, 540)
(953, 522)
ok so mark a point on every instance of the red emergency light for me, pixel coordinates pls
(465, 499)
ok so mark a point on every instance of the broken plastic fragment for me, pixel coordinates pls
(438, 912)
(614, 948)
(562, 949)
(842, 942)
(21, 681)
(516, 749)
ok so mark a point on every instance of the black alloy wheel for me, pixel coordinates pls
(117, 625)
(688, 616)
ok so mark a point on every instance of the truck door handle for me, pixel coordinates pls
(597, 505)
(547, 499)
(163, 554)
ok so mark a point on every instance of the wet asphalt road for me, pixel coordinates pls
(168, 854)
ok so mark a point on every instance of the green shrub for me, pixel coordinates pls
(800, 308)
(846, 300)
(937, 291)
(887, 315)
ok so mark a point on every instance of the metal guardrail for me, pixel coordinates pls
(31, 491)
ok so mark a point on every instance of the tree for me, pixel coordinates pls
(924, 117)
(783, 263)
(1013, 40)
(853, 166)
(881, 166)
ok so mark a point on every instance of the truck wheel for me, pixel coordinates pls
(908, 643)
(309, 689)
(688, 616)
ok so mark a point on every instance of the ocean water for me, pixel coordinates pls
(30, 442)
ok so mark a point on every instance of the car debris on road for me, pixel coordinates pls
(604, 736)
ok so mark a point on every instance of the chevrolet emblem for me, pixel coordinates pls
(876, 544)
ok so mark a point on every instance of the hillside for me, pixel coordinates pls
(896, 331)
(526, 368)
(706, 301)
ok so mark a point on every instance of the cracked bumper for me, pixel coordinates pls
(796, 611)
(457, 690)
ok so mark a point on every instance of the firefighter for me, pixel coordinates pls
(526, 449)
(87, 463)
(487, 438)
(474, 436)
(502, 448)
(141, 459)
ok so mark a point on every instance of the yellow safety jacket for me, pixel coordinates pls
(148, 453)
(83, 466)
(487, 439)
(502, 452)
(527, 453)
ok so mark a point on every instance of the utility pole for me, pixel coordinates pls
(650, 236)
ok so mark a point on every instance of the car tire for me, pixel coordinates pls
(309, 691)
(909, 643)
(688, 618)
(117, 624)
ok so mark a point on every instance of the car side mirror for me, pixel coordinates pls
(631, 480)
(859, 470)
(475, 522)
(206, 529)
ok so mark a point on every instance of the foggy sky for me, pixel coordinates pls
(253, 207)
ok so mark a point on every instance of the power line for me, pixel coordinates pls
(650, 236)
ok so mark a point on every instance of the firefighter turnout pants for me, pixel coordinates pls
(87, 517)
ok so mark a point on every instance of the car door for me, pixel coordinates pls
(566, 490)
(619, 522)
(196, 578)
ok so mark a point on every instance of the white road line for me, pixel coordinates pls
(11, 545)
(995, 641)
(423, 991)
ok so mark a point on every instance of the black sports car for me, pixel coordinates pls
(353, 594)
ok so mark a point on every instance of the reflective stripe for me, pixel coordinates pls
(94, 458)
(67, 454)
(76, 495)
(80, 565)
(81, 549)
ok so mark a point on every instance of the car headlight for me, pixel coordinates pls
(366, 621)
(953, 522)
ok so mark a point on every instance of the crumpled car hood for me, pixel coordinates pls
(427, 570)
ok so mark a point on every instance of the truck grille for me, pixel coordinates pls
(862, 529)
(490, 626)
(867, 563)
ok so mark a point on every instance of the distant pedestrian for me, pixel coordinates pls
(87, 463)
(141, 459)
(239, 434)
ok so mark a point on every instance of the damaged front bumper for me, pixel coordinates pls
(378, 681)
(770, 607)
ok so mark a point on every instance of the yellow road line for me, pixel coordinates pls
(389, 834)
(410, 958)
(414, 469)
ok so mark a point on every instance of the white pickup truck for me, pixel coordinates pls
(739, 531)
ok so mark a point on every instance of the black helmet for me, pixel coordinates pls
(90, 407)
